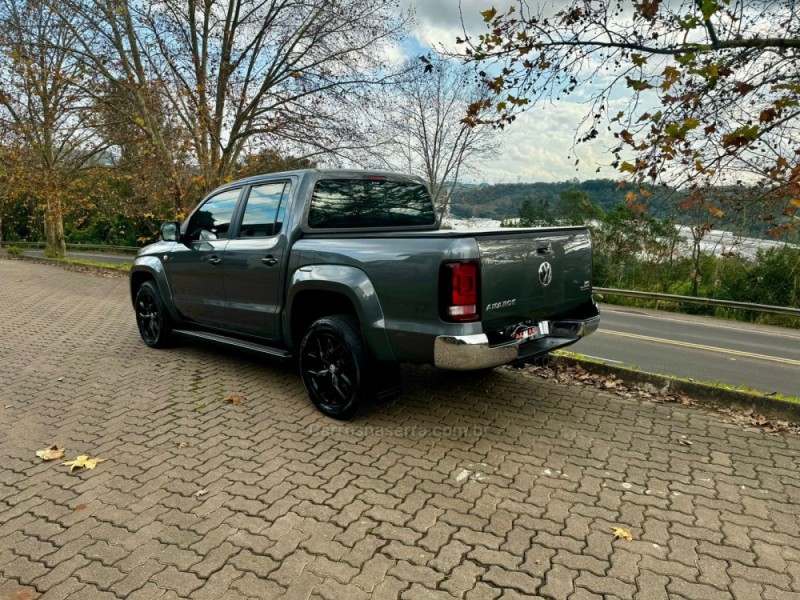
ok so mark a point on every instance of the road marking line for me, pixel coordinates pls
(608, 360)
(787, 361)
(702, 323)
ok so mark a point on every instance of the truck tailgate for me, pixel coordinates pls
(530, 274)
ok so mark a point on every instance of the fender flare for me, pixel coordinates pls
(154, 269)
(355, 285)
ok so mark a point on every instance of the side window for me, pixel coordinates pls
(263, 214)
(213, 220)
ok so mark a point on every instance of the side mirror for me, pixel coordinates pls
(170, 232)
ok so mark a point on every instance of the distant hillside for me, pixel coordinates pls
(502, 201)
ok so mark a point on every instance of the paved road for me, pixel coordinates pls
(474, 487)
(760, 357)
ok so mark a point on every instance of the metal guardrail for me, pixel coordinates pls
(73, 246)
(778, 310)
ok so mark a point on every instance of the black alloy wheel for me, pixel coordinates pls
(333, 366)
(154, 323)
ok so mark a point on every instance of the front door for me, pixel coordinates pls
(195, 266)
(253, 262)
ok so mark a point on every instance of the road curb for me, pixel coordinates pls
(700, 392)
(69, 266)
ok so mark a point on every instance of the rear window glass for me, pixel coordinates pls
(353, 203)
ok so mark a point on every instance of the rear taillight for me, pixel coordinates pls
(458, 290)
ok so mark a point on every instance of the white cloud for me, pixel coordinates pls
(439, 22)
(393, 55)
(538, 146)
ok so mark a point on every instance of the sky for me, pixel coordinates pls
(538, 146)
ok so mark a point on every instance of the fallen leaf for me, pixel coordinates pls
(22, 593)
(182, 445)
(685, 442)
(234, 399)
(566, 373)
(80, 507)
(200, 493)
(619, 532)
(60, 379)
(51, 453)
(83, 461)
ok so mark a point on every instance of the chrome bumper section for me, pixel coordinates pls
(473, 352)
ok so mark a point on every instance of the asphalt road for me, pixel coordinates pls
(759, 357)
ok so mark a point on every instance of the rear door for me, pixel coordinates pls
(253, 261)
(532, 274)
(194, 267)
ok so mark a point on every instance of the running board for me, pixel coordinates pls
(236, 343)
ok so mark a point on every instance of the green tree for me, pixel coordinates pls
(635, 250)
(575, 208)
(536, 213)
(776, 277)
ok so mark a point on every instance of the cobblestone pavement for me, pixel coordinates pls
(468, 486)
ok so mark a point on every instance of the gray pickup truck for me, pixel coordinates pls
(349, 273)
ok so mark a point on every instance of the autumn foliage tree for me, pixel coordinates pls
(234, 76)
(43, 109)
(701, 94)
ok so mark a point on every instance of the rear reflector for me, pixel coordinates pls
(458, 290)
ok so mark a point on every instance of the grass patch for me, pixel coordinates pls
(15, 250)
(705, 310)
(97, 263)
(747, 390)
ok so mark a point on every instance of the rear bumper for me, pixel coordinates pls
(473, 352)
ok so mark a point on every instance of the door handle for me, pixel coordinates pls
(215, 260)
(269, 260)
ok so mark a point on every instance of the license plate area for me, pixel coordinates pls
(521, 332)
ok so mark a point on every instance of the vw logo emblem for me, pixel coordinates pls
(545, 273)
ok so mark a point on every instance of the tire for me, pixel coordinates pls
(155, 324)
(333, 365)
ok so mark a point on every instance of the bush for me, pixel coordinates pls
(15, 250)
